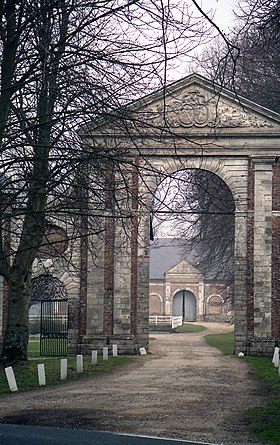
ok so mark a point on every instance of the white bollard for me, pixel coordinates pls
(105, 353)
(11, 379)
(63, 369)
(80, 366)
(94, 357)
(115, 350)
(143, 351)
(41, 374)
(276, 360)
(276, 351)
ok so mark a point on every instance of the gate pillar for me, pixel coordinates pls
(259, 283)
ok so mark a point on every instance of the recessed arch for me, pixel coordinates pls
(215, 304)
(190, 177)
(155, 304)
(226, 169)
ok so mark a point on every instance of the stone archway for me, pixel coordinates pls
(192, 124)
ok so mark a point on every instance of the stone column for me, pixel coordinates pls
(168, 303)
(201, 301)
(262, 246)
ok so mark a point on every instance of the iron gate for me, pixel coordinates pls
(54, 328)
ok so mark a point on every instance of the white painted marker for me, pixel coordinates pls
(105, 353)
(276, 351)
(80, 365)
(94, 357)
(63, 369)
(41, 374)
(11, 379)
(115, 350)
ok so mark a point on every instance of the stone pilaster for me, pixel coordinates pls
(250, 251)
(240, 282)
(143, 264)
(122, 283)
(275, 309)
(168, 303)
(262, 246)
(201, 302)
(95, 288)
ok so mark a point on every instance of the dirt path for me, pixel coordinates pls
(183, 389)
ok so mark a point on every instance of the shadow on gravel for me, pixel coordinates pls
(66, 418)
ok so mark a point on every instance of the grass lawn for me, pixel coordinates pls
(33, 348)
(264, 421)
(223, 342)
(189, 328)
(27, 377)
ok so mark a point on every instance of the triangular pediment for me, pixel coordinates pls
(182, 268)
(195, 102)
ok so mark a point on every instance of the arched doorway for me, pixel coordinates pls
(184, 304)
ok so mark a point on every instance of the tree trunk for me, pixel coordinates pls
(16, 335)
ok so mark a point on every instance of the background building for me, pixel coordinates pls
(178, 287)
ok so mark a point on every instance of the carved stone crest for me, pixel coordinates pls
(195, 109)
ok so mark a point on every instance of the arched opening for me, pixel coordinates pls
(192, 242)
(48, 316)
(47, 287)
(184, 304)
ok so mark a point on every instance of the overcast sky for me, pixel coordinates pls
(223, 11)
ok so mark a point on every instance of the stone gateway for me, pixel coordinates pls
(190, 124)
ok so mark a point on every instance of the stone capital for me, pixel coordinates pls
(263, 163)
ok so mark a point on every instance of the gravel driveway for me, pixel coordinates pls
(182, 389)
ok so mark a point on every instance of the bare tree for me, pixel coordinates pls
(255, 73)
(64, 64)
